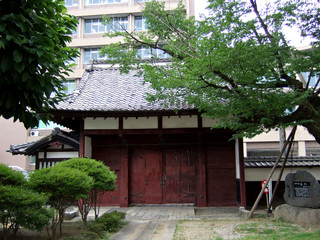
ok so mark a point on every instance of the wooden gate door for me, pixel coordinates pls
(221, 176)
(179, 176)
(144, 176)
(111, 158)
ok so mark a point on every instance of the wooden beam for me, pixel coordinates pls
(124, 178)
(81, 140)
(202, 178)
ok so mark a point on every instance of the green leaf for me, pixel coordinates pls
(17, 56)
(5, 64)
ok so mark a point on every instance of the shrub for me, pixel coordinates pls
(103, 180)
(9, 176)
(64, 186)
(22, 207)
(109, 222)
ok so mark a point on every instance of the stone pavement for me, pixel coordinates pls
(157, 222)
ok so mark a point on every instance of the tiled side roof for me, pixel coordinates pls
(107, 90)
(70, 138)
(295, 161)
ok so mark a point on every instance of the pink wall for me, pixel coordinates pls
(12, 133)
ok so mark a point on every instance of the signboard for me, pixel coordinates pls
(302, 189)
(266, 190)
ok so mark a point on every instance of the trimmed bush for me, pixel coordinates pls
(103, 180)
(9, 176)
(109, 222)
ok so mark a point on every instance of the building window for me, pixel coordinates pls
(32, 160)
(71, 3)
(93, 2)
(117, 24)
(70, 85)
(94, 26)
(147, 53)
(97, 25)
(140, 23)
(93, 53)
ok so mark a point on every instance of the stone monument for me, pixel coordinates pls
(302, 190)
(302, 195)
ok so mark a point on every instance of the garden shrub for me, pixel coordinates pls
(9, 176)
(103, 180)
(20, 206)
(109, 222)
(64, 186)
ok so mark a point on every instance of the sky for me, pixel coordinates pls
(292, 34)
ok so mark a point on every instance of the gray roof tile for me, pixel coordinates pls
(295, 161)
(107, 90)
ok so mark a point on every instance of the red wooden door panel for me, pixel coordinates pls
(144, 176)
(179, 174)
(221, 176)
(153, 175)
(111, 158)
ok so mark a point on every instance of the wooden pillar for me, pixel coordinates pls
(202, 178)
(37, 161)
(124, 177)
(242, 175)
(81, 140)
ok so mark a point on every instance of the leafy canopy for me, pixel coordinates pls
(235, 65)
(34, 55)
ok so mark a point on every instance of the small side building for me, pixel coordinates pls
(55, 147)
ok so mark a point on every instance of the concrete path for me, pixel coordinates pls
(157, 222)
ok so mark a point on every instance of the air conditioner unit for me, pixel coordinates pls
(34, 133)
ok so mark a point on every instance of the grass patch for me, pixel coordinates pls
(253, 229)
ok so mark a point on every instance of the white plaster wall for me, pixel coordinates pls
(140, 123)
(62, 155)
(88, 147)
(208, 122)
(180, 121)
(101, 123)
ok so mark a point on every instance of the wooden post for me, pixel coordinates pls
(202, 182)
(293, 131)
(124, 176)
(242, 176)
(280, 174)
(81, 140)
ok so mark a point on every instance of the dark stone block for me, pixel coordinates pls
(302, 190)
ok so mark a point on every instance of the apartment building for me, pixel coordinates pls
(124, 14)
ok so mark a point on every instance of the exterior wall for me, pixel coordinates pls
(259, 174)
(49, 157)
(12, 133)
(167, 160)
(128, 8)
(304, 143)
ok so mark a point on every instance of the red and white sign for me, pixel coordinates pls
(266, 190)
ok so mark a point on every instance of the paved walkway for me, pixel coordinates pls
(157, 222)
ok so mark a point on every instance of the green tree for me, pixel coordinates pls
(34, 55)
(235, 65)
(64, 186)
(20, 206)
(103, 180)
(10, 177)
